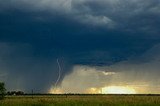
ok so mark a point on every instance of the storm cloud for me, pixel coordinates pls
(92, 33)
(107, 13)
(140, 73)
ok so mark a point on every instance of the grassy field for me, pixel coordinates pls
(82, 100)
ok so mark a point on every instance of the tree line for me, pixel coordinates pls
(4, 92)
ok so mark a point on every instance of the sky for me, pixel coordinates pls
(99, 44)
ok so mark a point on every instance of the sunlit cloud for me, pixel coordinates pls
(108, 73)
(56, 91)
(126, 77)
(118, 90)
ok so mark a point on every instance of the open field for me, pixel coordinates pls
(82, 100)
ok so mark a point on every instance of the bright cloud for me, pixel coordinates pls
(127, 77)
(97, 20)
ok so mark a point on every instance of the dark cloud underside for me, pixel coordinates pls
(33, 34)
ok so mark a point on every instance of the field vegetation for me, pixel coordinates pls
(81, 100)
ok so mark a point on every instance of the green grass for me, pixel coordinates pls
(81, 100)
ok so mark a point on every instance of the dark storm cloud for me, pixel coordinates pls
(19, 68)
(33, 34)
(129, 15)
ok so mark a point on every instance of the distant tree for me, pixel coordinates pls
(19, 93)
(2, 90)
(15, 93)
